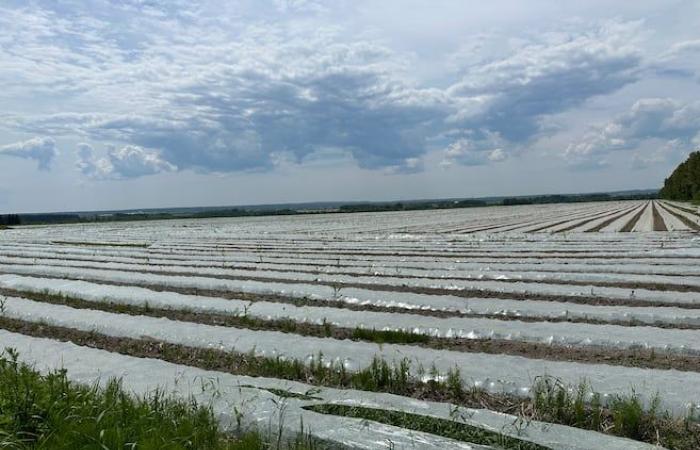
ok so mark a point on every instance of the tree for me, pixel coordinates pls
(684, 182)
(10, 219)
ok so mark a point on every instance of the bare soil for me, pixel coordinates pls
(629, 226)
(687, 222)
(472, 294)
(659, 224)
(610, 220)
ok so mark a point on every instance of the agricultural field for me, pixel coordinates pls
(567, 326)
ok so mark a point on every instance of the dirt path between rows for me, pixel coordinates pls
(270, 277)
(638, 357)
(212, 318)
(614, 213)
(445, 256)
(687, 222)
(659, 224)
(434, 253)
(592, 216)
(604, 224)
(469, 291)
(301, 267)
(629, 226)
(308, 266)
(688, 210)
(473, 294)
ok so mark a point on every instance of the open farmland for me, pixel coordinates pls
(284, 321)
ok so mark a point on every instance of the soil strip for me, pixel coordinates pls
(471, 294)
(687, 222)
(612, 219)
(635, 357)
(629, 226)
(659, 224)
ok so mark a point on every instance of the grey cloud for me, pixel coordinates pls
(672, 152)
(679, 61)
(42, 150)
(225, 102)
(348, 96)
(681, 48)
(549, 77)
(663, 119)
(659, 117)
(237, 116)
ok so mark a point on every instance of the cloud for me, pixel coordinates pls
(497, 155)
(214, 102)
(679, 61)
(126, 162)
(407, 166)
(681, 48)
(198, 88)
(301, 6)
(133, 161)
(672, 151)
(236, 116)
(510, 95)
(664, 122)
(477, 149)
(300, 96)
(42, 150)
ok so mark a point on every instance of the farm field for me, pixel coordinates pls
(310, 321)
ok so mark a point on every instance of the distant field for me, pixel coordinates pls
(317, 321)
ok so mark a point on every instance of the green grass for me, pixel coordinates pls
(50, 412)
(389, 336)
(433, 425)
(622, 415)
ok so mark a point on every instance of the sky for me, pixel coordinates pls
(164, 103)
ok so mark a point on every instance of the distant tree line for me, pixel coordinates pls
(35, 219)
(684, 182)
(229, 212)
(411, 206)
(240, 212)
(62, 218)
(542, 199)
(414, 205)
(10, 219)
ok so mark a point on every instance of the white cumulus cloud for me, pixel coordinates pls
(42, 150)
(130, 161)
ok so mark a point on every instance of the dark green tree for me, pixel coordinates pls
(684, 182)
(10, 219)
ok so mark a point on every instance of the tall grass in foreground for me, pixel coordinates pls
(50, 412)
